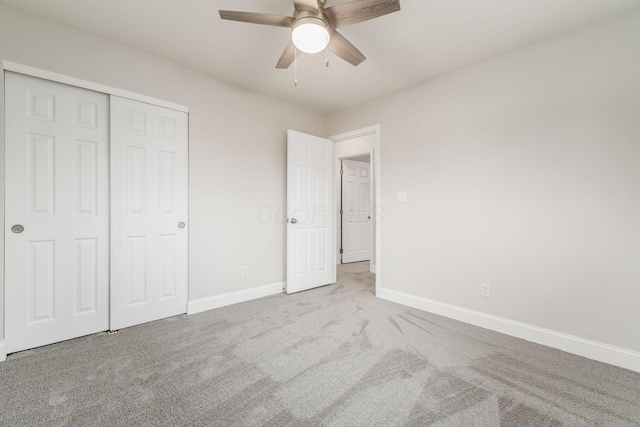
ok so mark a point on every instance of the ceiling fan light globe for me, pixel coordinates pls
(310, 37)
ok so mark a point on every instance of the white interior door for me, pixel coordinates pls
(57, 212)
(356, 211)
(149, 197)
(311, 225)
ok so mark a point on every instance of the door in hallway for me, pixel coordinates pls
(356, 211)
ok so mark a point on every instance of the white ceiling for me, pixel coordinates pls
(425, 39)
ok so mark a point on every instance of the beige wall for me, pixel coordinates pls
(237, 146)
(523, 172)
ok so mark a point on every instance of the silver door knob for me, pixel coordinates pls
(17, 229)
(293, 220)
(181, 225)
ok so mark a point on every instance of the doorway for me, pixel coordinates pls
(359, 145)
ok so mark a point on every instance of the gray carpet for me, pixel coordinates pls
(332, 356)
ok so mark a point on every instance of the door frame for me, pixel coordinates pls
(85, 84)
(376, 212)
(71, 81)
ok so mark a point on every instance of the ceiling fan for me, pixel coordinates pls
(313, 26)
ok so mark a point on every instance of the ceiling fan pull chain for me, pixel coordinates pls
(295, 66)
(326, 57)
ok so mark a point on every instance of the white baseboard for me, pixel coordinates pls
(3, 351)
(209, 303)
(601, 352)
(372, 268)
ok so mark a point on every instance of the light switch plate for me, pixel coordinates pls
(402, 196)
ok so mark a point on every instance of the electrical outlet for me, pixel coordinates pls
(485, 290)
(245, 271)
(402, 196)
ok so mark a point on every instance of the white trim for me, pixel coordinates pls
(601, 352)
(377, 171)
(356, 133)
(3, 351)
(209, 303)
(96, 87)
(351, 154)
(372, 268)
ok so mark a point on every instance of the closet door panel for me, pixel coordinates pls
(149, 237)
(56, 212)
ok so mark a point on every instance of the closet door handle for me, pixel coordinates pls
(293, 220)
(17, 229)
(181, 224)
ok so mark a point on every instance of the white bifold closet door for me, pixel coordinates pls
(56, 212)
(149, 196)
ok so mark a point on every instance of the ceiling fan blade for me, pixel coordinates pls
(306, 5)
(257, 18)
(345, 50)
(356, 11)
(288, 56)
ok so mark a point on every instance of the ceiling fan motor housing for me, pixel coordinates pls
(310, 31)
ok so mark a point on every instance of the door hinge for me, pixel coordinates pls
(341, 212)
(341, 171)
(341, 250)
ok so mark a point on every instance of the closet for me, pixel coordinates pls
(96, 189)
